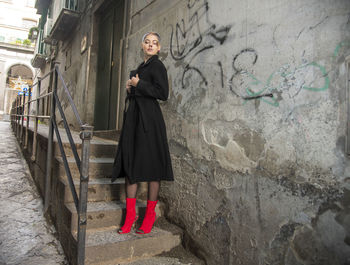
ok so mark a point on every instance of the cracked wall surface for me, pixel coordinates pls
(256, 122)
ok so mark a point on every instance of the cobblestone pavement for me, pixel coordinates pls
(25, 236)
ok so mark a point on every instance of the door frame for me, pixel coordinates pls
(98, 10)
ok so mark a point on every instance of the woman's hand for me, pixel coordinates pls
(134, 80)
(128, 85)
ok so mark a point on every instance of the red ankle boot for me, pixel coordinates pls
(149, 219)
(130, 216)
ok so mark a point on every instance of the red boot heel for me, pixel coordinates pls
(126, 229)
(130, 217)
(150, 218)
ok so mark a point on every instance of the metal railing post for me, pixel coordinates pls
(18, 117)
(85, 136)
(28, 113)
(23, 108)
(35, 135)
(49, 148)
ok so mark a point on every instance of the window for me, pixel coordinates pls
(71, 4)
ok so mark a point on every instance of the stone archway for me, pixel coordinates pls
(19, 76)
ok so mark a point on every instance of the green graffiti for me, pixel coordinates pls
(266, 86)
(342, 44)
(284, 74)
(271, 101)
(324, 75)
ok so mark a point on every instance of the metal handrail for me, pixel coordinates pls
(17, 116)
(69, 97)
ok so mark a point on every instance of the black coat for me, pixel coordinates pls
(143, 152)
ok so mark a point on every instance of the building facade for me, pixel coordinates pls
(17, 17)
(257, 117)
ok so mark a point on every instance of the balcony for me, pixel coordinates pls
(40, 54)
(39, 60)
(64, 24)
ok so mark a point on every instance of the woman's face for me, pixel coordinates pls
(150, 45)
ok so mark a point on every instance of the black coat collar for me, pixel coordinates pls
(143, 64)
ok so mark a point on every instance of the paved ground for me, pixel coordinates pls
(25, 236)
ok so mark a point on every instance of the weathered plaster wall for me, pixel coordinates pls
(262, 181)
(73, 64)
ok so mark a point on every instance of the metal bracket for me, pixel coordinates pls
(86, 132)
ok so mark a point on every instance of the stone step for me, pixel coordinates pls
(102, 215)
(99, 215)
(110, 248)
(98, 167)
(101, 189)
(98, 148)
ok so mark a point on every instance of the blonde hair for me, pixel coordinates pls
(151, 33)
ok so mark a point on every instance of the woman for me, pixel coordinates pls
(143, 153)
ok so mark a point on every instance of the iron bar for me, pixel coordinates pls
(28, 111)
(75, 111)
(40, 97)
(22, 117)
(85, 136)
(49, 150)
(66, 166)
(42, 78)
(66, 127)
(32, 116)
(35, 135)
(18, 119)
(39, 116)
(17, 110)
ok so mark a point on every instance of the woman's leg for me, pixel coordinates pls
(130, 218)
(153, 190)
(131, 189)
(150, 216)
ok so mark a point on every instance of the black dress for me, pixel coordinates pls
(143, 152)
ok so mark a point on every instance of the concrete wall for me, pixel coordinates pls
(262, 181)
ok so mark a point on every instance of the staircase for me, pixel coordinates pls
(105, 212)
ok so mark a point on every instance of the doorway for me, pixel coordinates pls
(108, 63)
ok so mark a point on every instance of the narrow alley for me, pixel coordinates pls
(25, 236)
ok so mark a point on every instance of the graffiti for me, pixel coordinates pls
(191, 68)
(221, 74)
(188, 35)
(195, 36)
(190, 3)
(249, 52)
(340, 45)
(221, 34)
(265, 91)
